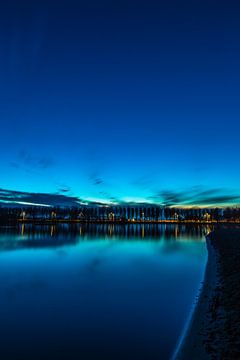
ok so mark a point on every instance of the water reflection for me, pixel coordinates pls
(97, 291)
(64, 234)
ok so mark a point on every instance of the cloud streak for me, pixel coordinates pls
(196, 196)
(21, 197)
(39, 162)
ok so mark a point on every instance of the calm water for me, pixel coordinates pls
(109, 292)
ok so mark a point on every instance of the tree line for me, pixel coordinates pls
(119, 213)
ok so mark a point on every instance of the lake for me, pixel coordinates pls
(97, 291)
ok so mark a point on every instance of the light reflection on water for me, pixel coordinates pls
(97, 291)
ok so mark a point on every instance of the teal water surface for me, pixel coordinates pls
(97, 291)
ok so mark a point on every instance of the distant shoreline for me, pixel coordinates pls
(213, 331)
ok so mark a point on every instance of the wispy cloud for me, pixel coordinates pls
(32, 163)
(196, 196)
(21, 197)
(95, 179)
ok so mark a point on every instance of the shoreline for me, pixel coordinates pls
(191, 342)
(214, 328)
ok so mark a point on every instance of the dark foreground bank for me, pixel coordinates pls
(214, 330)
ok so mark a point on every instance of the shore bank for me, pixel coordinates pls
(214, 329)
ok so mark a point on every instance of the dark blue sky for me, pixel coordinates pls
(121, 100)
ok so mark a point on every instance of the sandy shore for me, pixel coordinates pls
(214, 329)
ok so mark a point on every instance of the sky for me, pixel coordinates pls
(120, 101)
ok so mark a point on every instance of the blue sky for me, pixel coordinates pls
(120, 101)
